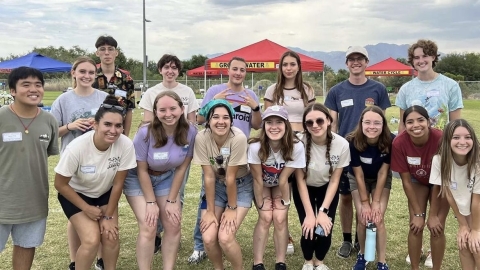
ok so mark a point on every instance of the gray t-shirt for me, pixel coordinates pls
(69, 107)
(24, 166)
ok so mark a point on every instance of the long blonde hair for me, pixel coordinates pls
(82, 59)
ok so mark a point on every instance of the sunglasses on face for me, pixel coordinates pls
(319, 121)
(113, 107)
(219, 160)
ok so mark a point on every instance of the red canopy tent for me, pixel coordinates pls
(389, 67)
(200, 72)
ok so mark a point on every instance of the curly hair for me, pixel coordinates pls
(429, 48)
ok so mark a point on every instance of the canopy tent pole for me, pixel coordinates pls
(251, 86)
(205, 76)
(221, 78)
(324, 85)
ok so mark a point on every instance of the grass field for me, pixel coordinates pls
(53, 254)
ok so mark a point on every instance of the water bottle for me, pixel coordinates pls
(370, 242)
(319, 230)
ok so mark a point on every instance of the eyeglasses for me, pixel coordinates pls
(319, 121)
(114, 107)
(355, 59)
(376, 124)
(219, 160)
(109, 49)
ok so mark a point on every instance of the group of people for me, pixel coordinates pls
(321, 156)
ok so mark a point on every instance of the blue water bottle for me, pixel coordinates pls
(370, 242)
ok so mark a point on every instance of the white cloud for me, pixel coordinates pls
(211, 26)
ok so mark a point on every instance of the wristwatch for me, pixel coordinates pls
(324, 210)
(285, 202)
(256, 109)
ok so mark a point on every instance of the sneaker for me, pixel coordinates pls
(428, 260)
(382, 266)
(259, 266)
(345, 250)
(158, 244)
(408, 257)
(321, 267)
(290, 247)
(361, 263)
(99, 265)
(308, 267)
(71, 266)
(197, 256)
(278, 266)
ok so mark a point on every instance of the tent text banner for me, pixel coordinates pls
(387, 72)
(256, 65)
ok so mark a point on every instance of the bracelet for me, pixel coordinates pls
(68, 128)
(419, 215)
(151, 202)
(171, 201)
(231, 208)
(256, 109)
(107, 217)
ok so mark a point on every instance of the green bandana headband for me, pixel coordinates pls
(213, 104)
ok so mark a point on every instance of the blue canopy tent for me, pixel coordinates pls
(35, 60)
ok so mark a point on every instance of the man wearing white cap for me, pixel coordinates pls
(346, 101)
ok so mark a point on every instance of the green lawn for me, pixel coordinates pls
(53, 254)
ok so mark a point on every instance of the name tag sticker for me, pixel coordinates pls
(414, 160)
(160, 155)
(121, 93)
(453, 186)
(311, 165)
(225, 151)
(87, 169)
(245, 108)
(433, 93)
(287, 98)
(366, 160)
(346, 102)
(94, 111)
(12, 137)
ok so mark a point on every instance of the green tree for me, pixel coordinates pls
(466, 64)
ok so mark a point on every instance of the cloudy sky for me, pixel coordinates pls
(187, 27)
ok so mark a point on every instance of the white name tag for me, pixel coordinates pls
(311, 165)
(12, 137)
(366, 160)
(160, 155)
(225, 151)
(245, 108)
(287, 98)
(414, 160)
(87, 169)
(121, 93)
(433, 93)
(347, 102)
(94, 111)
(453, 186)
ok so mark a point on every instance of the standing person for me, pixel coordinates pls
(75, 111)
(412, 154)
(113, 80)
(346, 101)
(294, 94)
(371, 179)
(438, 94)
(89, 179)
(247, 116)
(169, 66)
(316, 192)
(456, 169)
(164, 149)
(273, 156)
(29, 137)
(228, 185)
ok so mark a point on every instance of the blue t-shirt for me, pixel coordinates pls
(371, 160)
(440, 95)
(349, 100)
(243, 113)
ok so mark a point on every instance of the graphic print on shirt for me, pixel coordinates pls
(271, 171)
(81, 114)
(113, 162)
(432, 103)
(242, 111)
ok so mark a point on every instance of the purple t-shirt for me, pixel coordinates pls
(243, 113)
(167, 157)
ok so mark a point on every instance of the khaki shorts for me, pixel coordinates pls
(370, 183)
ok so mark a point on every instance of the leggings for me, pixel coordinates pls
(320, 244)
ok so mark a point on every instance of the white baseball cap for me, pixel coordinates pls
(356, 49)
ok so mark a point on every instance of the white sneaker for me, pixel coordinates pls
(308, 267)
(408, 257)
(290, 247)
(428, 260)
(197, 256)
(321, 267)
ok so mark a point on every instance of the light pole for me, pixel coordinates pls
(144, 87)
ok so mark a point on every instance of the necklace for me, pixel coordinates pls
(25, 127)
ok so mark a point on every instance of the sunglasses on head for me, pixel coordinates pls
(113, 107)
(319, 121)
(219, 160)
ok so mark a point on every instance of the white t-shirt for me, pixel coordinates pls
(275, 163)
(186, 94)
(92, 171)
(461, 187)
(293, 102)
(318, 167)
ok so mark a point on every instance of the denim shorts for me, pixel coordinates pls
(244, 193)
(344, 185)
(161, 184)
(25, 235)
(370, 183)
